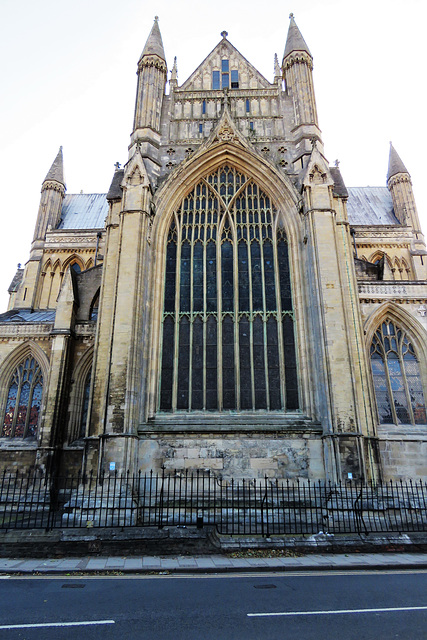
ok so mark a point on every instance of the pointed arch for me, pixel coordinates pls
(89, 264)
(79, 397)
(73, 259)
(286, 201)
(378, 255)
(231, 346)
(397, 348)
(23, 380)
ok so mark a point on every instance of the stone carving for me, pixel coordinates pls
(226, 134)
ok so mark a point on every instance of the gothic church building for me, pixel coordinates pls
(229, 305)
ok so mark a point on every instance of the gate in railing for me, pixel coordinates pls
(254, 507)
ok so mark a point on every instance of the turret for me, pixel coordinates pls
(297, 69)
(400, 187)
(52, 195)
(152, 73)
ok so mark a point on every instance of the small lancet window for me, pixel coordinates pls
(204, 107)
(22, 413)
(397, 377)
(215, 80)
(234, 79)
(248, 106)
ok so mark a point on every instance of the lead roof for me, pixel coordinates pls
(84, 211)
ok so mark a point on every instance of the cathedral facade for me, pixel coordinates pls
(229, 305)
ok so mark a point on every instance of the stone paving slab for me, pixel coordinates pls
(211, 564)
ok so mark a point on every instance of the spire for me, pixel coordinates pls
(295, 41)
(154, 44)
(174, 72)
(56, 172)
(395, 164)
(277, 70)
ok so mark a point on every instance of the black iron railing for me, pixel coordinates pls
(254, 507)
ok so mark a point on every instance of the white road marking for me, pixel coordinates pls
(338, 611)
(56, 624)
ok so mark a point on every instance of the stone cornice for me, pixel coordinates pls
(399, 178)
(53, 185)
(147, 61)
(298, 57)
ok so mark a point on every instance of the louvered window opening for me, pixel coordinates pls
(228, 323)
(23, 403)
(397, 377)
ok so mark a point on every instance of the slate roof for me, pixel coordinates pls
(17, 279)
(84, 211)
(26, 315)
(370, 206)
(115, 190)
(339, 187)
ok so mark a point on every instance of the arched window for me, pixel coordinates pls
(82, 430)
(228, 323)
(76, 267)
(93, 312)
(24, 398)
(397, 378)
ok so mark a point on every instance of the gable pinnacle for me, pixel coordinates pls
(154, 44)
(295, 41)
(395, 164)
(224, 34)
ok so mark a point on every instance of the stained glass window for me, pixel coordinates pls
(21, 417)
(397, 378)
(228, 323)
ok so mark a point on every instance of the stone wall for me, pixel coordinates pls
(237, 456)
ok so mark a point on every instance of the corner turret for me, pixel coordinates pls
(400, 187)
(152, 73)
(297, 68)
(53, 191)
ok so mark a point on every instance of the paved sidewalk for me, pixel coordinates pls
(211, 564)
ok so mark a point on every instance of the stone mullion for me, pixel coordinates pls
(251, 310)
(279, 318)
(18, 398)
(205, 292)
(405, 382)
(177, 316)
(190, 362)
(220, 313)
(30, 402)
(264, 307)
(235, 297)
(387, 375)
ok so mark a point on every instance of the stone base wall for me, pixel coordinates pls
(235, 456)
(404, 458)
(13, 460)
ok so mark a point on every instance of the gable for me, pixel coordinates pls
(247, 76)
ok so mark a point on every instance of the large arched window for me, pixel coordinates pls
(397, 377)
(24, 398)
(228, 323)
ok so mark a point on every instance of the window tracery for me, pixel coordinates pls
(228, 323)
(397, 377)
(23, 402)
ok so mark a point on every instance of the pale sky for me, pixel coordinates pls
(68, 77)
